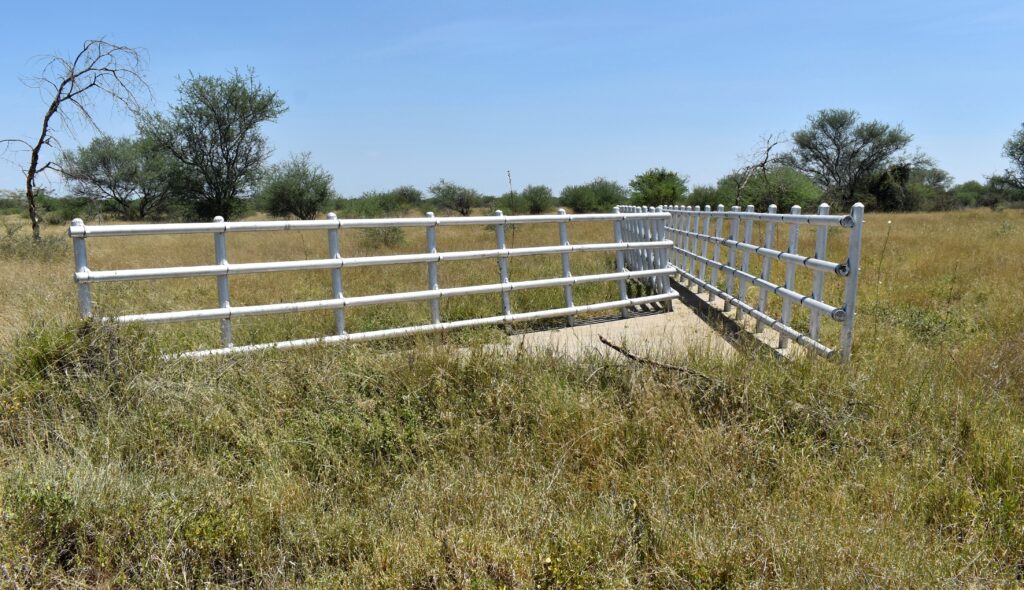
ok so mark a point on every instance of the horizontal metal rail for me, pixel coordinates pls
(768, 320)
(836, 313)
(231, 269)
(429, 328)
(649, 242)
(404, 297)
(838, 268)
(725, 247)
(83, 231)
(826, 220)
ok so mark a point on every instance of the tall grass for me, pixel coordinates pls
(430, 466)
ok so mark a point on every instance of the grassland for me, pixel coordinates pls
(414, 465)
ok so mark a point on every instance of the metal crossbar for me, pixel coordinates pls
(639, 237)
(695, 249)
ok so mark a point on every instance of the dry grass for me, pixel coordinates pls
(425, 468)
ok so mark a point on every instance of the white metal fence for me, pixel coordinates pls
(647, 248)
(712, 254)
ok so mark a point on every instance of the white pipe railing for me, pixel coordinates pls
(640, 237)
(696, 249)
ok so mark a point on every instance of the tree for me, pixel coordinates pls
(130, 175)
(105, 170)
(1013, 150)
(297, 187)
(214, 131)
(658, 186)
(538, 198)
(842, 155)
(456, 198)
(100, 68)
(599, 194)
(773, 185)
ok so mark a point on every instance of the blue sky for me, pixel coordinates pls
(391, 93)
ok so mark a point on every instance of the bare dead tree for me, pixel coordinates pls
(72, 85)
(757, 162)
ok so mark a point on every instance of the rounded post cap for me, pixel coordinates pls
(218, 219)
(332, 215)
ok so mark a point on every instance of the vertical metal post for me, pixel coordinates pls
(661, 232)
(734, 235)
(435, 304)
(850, 297)
(334, 251)
(787, 304)
(563, 238)
(718, 248)
(220, 247)
(704, 247)
(82, 265)
(818, 286)
(748, 236)
(645, 237)
(766, 266)
(499, 229)
(620, 261)
(694, 241)
(681, 222)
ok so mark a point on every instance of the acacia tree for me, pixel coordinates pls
(297, 187)
(843, 154)
(457, 198)
(73, 84)
(130, 175)
(214, 131)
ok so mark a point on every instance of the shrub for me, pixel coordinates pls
(387, 237)
(598, 195)
(297, 187)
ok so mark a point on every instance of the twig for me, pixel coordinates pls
(685, 370)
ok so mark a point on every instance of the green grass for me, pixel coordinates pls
(422, 465)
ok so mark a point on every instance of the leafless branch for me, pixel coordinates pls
(758, 161)
(685, 370)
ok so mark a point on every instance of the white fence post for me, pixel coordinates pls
(794, 245)
(334, 251)
(704, 247)
(748, 236)
(620, 262)
(662, 281)
(220, 246)
(435, 304)
(734, 235)
(766, 266)
(850, 295)
(818, 286)
(506, 303)
(82, 265)
(563, 238)
(718, 248)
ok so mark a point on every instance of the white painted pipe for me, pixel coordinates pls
(322, 224)
(811, 262)
(88, 276)
(769, 321)
(408, 296)
(428, 328)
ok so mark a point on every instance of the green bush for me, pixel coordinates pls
(377, 237)
(597, 196)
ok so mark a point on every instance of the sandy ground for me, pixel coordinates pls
(657, 335)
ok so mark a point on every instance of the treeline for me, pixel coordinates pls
(207, 156)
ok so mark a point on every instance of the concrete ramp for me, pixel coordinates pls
(654, 335)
